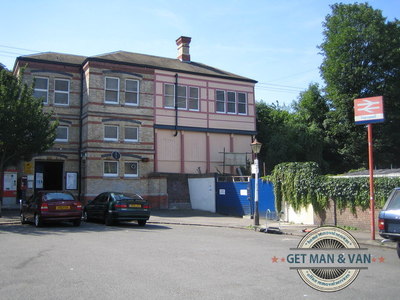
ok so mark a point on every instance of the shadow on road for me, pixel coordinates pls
(188, 213)
(66, 227)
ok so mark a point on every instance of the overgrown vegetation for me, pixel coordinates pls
(300, 184)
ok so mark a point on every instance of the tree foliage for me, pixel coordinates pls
(25, 128)
(287, 136)
(312, 107)
(361, 59)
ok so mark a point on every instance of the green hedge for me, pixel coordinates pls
(300, 184)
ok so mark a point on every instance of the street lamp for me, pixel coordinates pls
(256, 147)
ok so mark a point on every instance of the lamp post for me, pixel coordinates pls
(256, 147)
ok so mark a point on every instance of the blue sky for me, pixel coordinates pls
(272, 41)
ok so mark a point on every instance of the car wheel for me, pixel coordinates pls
(108, 220)
(23, 220)
(141, 222)
(76, 222)
(38, 221)
(398, 249)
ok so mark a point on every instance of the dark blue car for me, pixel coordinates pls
(389, 218)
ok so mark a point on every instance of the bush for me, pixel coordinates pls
(300, 184)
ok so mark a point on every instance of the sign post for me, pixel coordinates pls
(368, 111)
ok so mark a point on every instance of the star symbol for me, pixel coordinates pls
(374, 259)
(381, 259)
(274, 259)
(282, 259)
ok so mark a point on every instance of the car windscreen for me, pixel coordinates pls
(58, 196)
(394, 202)
(120, 196)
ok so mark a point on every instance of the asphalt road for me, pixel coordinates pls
(166, 262)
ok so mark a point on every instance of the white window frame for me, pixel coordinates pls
(131, 91)
(191, 99)
(228, 103)
(237, 104)
(46, 100)
(137, 134)
(137, 169)
(220, 101)
(242, 104)
(169, 95)
(113, 90)
(61, 91)
(184, 101)
(60, 139)
(110, 139)
(185, 97)
(110, 174)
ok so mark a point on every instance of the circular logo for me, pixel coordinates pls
(327, 279)
(116, 155)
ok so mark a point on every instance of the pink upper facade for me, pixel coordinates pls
(206, 115)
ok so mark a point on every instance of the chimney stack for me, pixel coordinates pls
(183, 48)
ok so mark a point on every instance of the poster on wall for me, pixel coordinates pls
(39, 180)
(10, 184)
(10, 181)
(71, 179)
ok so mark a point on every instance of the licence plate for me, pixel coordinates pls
(135, 205)
(62, 207)
(393, 228)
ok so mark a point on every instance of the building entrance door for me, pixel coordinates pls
(48, 175)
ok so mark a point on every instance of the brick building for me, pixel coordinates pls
(124, 118)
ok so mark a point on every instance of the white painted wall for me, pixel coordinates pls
(202, 193)
(304, 216)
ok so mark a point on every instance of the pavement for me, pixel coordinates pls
(190, 217)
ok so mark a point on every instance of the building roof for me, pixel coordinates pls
(136, 59)
(54, 58)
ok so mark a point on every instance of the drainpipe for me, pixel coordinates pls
(80, 139)
(176, 104)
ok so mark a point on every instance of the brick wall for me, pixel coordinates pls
(345, 217)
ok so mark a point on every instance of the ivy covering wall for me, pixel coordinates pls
(300, 184)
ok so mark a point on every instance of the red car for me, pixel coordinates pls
(51, 206)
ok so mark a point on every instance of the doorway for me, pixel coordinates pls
(48, 175)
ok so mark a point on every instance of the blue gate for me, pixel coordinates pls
(235, 196)
(266, 197)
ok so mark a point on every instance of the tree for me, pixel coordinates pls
(311, 111)
(312, 107)
(287, 137)
(361, 59)
(25, 129)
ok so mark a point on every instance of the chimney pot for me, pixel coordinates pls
(183, 48)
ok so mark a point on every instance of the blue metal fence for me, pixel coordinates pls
(237, 198)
